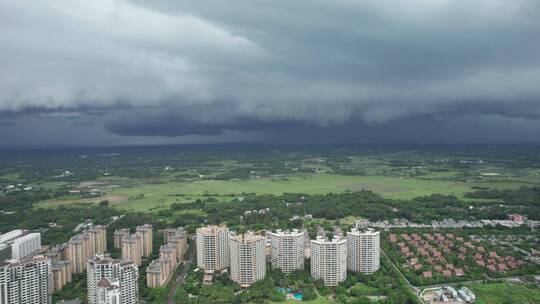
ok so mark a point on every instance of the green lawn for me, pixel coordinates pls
(502, 293)
(143, 197)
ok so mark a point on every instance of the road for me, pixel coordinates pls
(415, 290)
(180, 277)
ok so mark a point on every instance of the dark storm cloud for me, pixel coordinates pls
(287, 70)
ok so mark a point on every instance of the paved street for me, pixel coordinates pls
(180, 277)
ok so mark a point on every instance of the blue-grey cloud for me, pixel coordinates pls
(170, 68)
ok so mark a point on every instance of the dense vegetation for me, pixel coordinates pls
(81, 184)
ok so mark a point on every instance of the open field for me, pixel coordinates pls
(112, 199)
(143, 197)
(499, 293)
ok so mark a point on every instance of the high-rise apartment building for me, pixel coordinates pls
(178, 237)
(248, 262)
(363, 250)
(19, 244)
(213, 248)
(119, 236)
(287, 250)
(108, 291)
(25, 281)
(132, 248)
(85, 245)
(60, 274)
(25, 246)
(145, 232)
(158, 272)
(125, 272)
(329, 260)
(170, 254)
(98, 236)
(77, 253)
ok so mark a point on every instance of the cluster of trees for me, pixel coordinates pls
(354, 290)
(472, 270)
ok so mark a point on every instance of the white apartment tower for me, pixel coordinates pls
(287, 250)
(329, 260)
(213, 248)
(25, 281)
(25, 246)
(248, 260)
(108, 291)
(363, 250)
(125, 272)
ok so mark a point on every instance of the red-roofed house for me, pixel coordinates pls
(518, 218)
(493, 254)
(491, 268)
(419, 266)
(478, 256)
(449, 266)
(481, 263)
(461, 256)
(481, 249)
(459, 272)
(438, 268)
(427, 274)
(502, 267)
(447, 273)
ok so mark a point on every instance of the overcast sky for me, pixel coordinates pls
(115, 72)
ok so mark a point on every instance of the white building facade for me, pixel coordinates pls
(363, 250)
(213, 252)
(125, 272)
(288, 250)
(248, 260)
(25, 246)
(25, 281)
(108, 291)
(329, 260)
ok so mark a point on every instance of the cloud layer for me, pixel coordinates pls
(165, 68)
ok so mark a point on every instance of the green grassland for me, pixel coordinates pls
(502, 293)
(144, 195)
